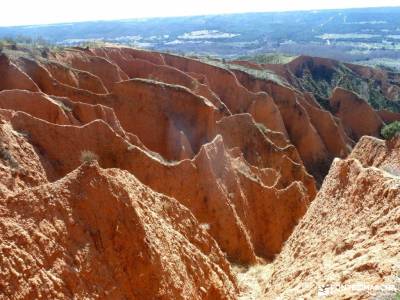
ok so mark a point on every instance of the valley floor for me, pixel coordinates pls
(252, 280)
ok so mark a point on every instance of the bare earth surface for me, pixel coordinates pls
(130, 174)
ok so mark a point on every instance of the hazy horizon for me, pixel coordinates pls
(48, 12)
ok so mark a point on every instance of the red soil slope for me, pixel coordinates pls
(139, 175)
(102, 234)
(349, 237)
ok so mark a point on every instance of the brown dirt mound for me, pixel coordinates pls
(160, 112)
(108, 72)
(75, 78)
(58, 110)
(102, 234)
(141, 68)
(13, 78)
(357, 116)
(300, 126)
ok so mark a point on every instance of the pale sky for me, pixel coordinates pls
(24, 12)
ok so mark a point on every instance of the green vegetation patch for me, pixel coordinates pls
(322, 83)
(391, 130)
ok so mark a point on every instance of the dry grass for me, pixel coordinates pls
(88, 156)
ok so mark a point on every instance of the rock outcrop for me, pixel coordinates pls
(76, 78)
(20, 166)
(321, 76)
(346, 246)
(108, 72)
(157, 112)
(131, 174)
(102, 234)
(358, 118)
(301, 128)
(373, 152)
(221, 180)
(13, 78)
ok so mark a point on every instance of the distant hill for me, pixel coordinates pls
(320, 76)
(370, 36)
